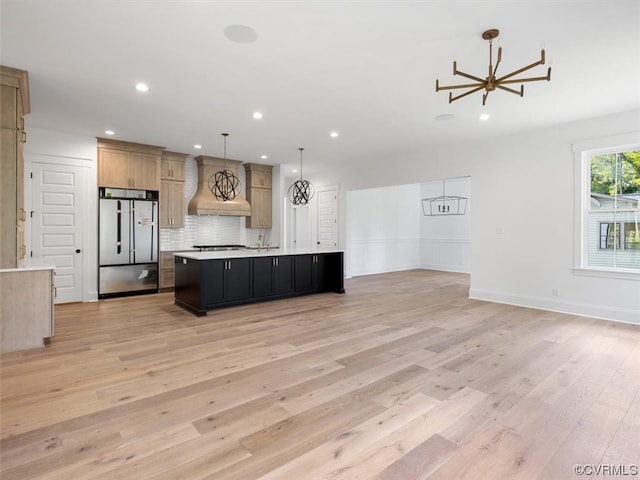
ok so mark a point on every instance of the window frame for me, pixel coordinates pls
(583, 150)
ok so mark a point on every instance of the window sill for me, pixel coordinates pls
(606, 273)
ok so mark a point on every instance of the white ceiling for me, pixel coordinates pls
(366, 69)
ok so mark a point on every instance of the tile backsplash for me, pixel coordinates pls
(199, 229)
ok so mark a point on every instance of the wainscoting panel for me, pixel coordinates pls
(379, 255)
(446, 254)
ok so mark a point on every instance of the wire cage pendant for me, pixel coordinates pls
(444, 204)
(301, 191)
(224, 184)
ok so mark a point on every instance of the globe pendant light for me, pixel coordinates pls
(301, 191)
(224, 184)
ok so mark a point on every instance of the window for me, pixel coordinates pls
(609, 235)
(608, 220)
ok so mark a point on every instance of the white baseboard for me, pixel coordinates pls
(573, 308)
(447, 268)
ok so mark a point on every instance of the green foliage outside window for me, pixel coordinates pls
(616, 173)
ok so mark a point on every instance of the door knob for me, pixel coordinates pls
(78, 250)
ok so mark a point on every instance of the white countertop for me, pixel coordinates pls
(31, 264)
(247, 253)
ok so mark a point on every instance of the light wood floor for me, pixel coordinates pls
(402, 378)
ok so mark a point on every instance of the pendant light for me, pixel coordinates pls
(224, 184)
(301, 191)
(444, 204)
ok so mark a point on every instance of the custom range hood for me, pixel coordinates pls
(204, 202)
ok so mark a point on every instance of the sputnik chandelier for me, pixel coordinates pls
(492, 82)
(301, 191)
(224, 184)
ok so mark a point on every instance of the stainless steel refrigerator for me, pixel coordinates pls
(128, 253)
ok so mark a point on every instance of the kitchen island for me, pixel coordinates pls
(210, 280)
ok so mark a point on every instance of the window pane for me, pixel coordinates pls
(615, 180)
(613, 210)
(632, 236)
(609, 235)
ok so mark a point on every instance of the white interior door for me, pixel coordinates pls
(57, 203)
(327, 201)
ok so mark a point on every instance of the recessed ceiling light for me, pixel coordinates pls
(484, 116)
(445, 117)
(257, 115)
(142, 87)
(295, 170)
(197, 146)
(240, 34)
(333, 134)
(264, 157)
(109, 132)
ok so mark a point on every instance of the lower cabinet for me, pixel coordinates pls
(202, 285)
(226, 281)
(272, 276)
(26, 309)
(309, 273)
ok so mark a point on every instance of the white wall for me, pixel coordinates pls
(522, 186)
(387, 230)
(383, 229)
(47, 146)
(445, 240)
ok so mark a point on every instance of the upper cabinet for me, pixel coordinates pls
(128, 165)
(259, 194)
(14, 95)
(172, 204)
(173, 166)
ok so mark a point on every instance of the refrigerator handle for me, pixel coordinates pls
(154, 234)
(119, 227)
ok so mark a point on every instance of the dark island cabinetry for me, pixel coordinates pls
(272, 276)
(228, 280)
(309, 272)
(207, 283)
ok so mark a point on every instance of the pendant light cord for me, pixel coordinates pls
(301, 149)
(225, 135)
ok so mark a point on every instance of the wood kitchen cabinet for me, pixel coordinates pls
(26, 309)
(128, 165)
(172, 204)
(167, 270)
(14, 95)
(259, 195)
(172, 166)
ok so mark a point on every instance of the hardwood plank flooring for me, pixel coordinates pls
(404, 377)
